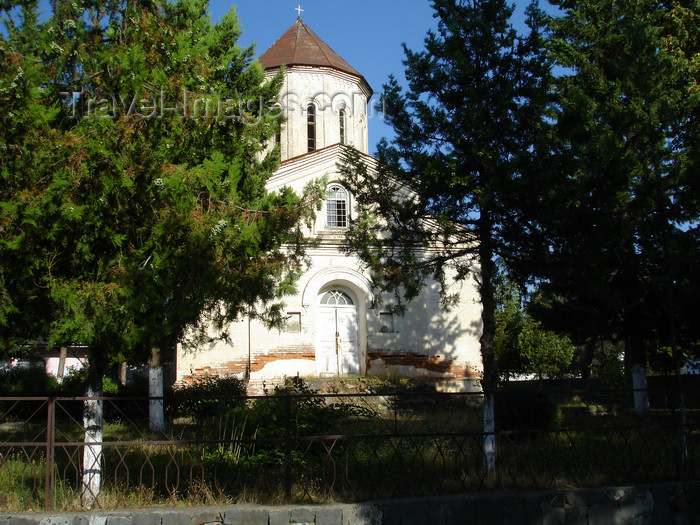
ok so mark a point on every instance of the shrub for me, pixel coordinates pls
(27, 382)
(526, 406)
(110, 387)
(74, 382)
(138, 387)
(545, 353)
(385, 385)
(209, 396)
(309, 415)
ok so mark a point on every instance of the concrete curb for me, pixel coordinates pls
(636, 505)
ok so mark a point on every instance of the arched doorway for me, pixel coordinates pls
(337, 346)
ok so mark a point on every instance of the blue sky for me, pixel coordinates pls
(366, 33)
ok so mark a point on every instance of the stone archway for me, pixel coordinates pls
(357, 287)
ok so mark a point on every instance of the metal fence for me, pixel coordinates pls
(350, 447)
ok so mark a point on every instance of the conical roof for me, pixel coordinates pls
(301, 46)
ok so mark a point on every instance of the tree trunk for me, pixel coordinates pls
(641, 392)
(683, 432)
(489, 381)
(634, 348)
(675, 352)
(122, 373)
(587, 358)
(156, 417)
(63, 354)
(490, 443)
(93, 424)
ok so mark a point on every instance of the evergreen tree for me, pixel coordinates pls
(133, 168)
(621, 215)
(25, 132)
(441, 201)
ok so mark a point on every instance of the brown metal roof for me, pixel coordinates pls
(301, 46)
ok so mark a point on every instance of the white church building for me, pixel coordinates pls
(333, 328)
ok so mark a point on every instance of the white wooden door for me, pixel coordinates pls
(346, 328)
(326, 356)
(337, 349)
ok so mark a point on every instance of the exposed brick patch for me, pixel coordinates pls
(436, 364)
(205, 371)
(375, 358)
(257, 362)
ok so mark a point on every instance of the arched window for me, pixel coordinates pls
(276, 113)
(337, 206)
(311, 126)
(336, 298)
(341, 124)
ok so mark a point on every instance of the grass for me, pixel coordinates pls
(390, 447)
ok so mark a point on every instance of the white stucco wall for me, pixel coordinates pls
(328, 90)
(428, 342)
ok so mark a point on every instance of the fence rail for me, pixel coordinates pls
(314, 448)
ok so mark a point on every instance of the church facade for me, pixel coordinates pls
(333, 329)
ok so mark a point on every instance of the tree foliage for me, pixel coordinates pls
(133, 168)
(133, 172)
(436, 204)
(544, 352)
(441, 202)
(620, 215)
(509, 319)
(522, 345)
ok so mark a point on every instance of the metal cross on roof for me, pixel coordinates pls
(298, 9)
